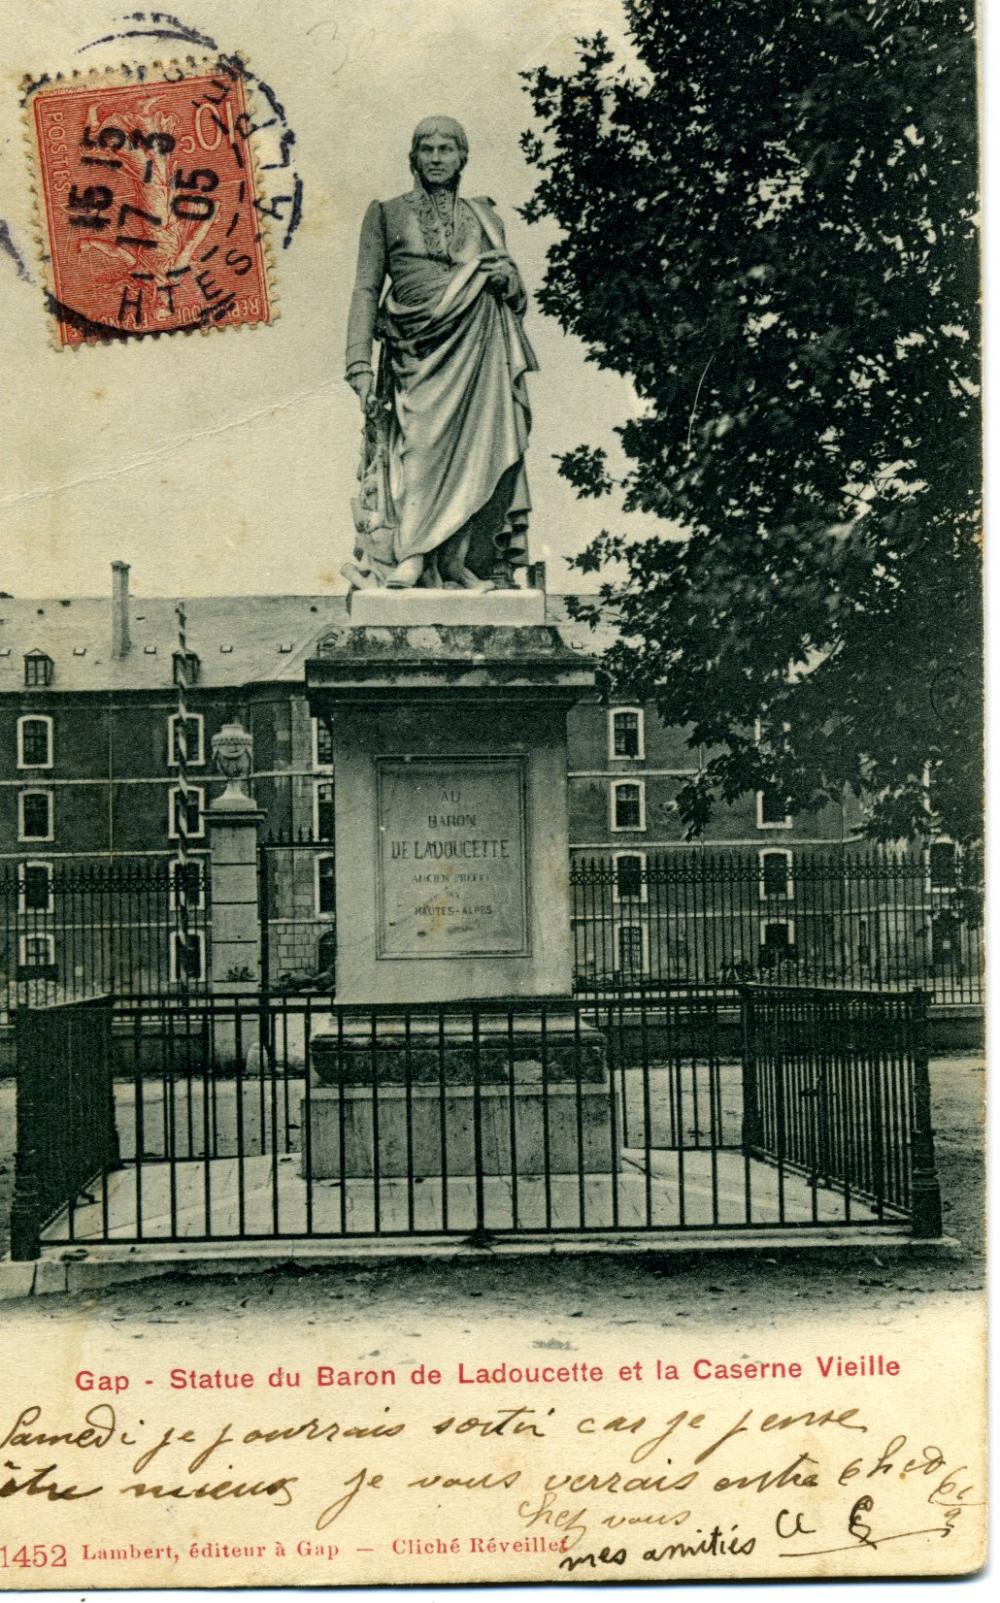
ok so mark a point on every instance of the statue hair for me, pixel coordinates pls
(439, 125)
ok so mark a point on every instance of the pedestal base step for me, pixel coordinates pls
(420, 1131)
(413, 607)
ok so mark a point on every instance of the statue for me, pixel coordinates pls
(443, 497)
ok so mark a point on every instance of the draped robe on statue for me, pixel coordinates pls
(452, 376)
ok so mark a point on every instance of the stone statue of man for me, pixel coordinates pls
(444, 496)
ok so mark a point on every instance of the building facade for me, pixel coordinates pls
(90, 774)
(90, 760)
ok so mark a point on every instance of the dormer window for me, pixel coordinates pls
(187, 665)
(38, 668)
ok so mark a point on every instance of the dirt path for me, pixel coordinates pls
(710, 1289)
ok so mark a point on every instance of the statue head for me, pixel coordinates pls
(438, 150)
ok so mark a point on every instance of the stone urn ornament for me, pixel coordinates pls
(232, 749)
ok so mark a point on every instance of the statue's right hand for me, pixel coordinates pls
(361, 384)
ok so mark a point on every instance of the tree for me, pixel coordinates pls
(770, 227)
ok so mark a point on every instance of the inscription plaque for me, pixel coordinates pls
(451, 858)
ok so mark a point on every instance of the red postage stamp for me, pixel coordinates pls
(147, 194)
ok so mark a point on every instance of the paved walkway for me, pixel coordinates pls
(264, 1197)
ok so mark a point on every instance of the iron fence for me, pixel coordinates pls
(781, 915)
(836, 1087)
(77, 929)
(254, 1117)
(67, 1135)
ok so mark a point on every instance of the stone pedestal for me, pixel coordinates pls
(451, 829)
(543, 1101)
(448, 712)
(388, 609)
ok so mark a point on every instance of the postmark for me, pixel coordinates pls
(279, 181)
(148, 202)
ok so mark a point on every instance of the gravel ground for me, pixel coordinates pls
(659, 1291)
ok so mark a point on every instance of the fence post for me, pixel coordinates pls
(480, 1235)
(752, 1137)
(925, 1187)
(26, 1204)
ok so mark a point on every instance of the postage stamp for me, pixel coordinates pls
(147, 199)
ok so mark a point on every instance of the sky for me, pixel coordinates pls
(226, 463)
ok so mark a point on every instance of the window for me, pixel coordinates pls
(187, 957)
(193, 881)
(36, 888)
(630, 947)
(323, 810)
(630, 877)
(36, 957)
(34, 742)
(772, 810)
(941, 865)
(195, 819)
(775, 874)
(38, 668)
(195, 731)
(777, 941)
(34, 815)
(187, 665)
(326, 887)
(628, 805)
(322, 743)
(326, 954)
(625, 732)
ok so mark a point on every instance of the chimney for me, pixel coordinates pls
(120, 642)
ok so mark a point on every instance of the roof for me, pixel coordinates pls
(240, 639)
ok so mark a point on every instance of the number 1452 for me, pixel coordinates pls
(35, 1557)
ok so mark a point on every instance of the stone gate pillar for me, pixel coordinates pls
(234, 822)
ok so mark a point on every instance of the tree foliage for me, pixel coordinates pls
(770, 226)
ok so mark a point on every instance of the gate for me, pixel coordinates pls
(256, 1117)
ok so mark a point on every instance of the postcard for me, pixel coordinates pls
(491, 1001)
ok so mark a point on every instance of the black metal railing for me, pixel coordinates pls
(256, 1117)
(778, 914)
(835, 1088)
(66, 1136)
(72, 929)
